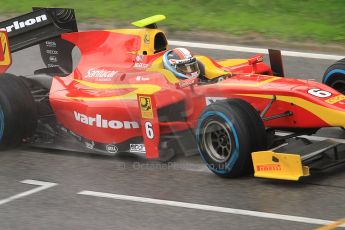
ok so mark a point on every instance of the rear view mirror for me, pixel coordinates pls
(255, 59)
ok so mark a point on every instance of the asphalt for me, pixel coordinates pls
(186, 180)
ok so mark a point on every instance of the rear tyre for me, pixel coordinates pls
(18, 112)
(335, 76)
(227, 132)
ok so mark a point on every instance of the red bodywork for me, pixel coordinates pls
(98, 101)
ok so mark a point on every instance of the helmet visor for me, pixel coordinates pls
(188, 68)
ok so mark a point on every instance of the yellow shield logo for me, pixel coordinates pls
(5, 55)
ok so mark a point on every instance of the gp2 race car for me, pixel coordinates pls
(120, 98)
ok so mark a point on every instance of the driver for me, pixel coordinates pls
(182, 63)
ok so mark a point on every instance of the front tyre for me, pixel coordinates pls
(227, 132)
(335, 76)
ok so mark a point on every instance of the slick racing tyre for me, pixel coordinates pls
(17, 111)
(228, 131)
(335, 76)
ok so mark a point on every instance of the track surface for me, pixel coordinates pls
(186, 180)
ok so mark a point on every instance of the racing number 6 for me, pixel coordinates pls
(149, 130)
(319, 93)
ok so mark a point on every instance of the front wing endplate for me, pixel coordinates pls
(284, 166)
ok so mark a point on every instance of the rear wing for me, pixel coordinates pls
(43, 26)
(40, 25)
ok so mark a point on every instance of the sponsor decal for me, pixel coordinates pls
(137, 148)
(139, 58)
(146, 107)
(99, 122)
(53, 59)
(187, 82)
(89, 145)
(141, 65)
(139, 62)
(101, 74)
(17, 25)
(52, 52)
(112, 148)
(140, 78)
(335, 99)
(268, 167)
(50, 44)
(147, 39)
(210, 100)
(52, 65)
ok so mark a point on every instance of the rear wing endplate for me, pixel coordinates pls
(5, 54)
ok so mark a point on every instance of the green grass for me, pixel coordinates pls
(319, 20)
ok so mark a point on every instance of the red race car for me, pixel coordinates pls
(129, 93)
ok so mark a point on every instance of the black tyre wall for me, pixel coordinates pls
(334, 76)
(18, 111)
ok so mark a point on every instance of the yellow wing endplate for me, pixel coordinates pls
(149, 21)
(283, 166)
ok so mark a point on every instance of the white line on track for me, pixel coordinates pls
(266, 215)
(253, 50)
(42, 186)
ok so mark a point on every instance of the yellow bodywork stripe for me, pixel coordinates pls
(330, 116)
(232, 62)
(256, 84)
(211, 71)
(157, 66)
(139, 89)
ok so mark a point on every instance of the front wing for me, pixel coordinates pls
(292, 164)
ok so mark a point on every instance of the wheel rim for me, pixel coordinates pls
(217, 141)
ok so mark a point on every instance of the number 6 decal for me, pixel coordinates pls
(149, 130)
(319, 93)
